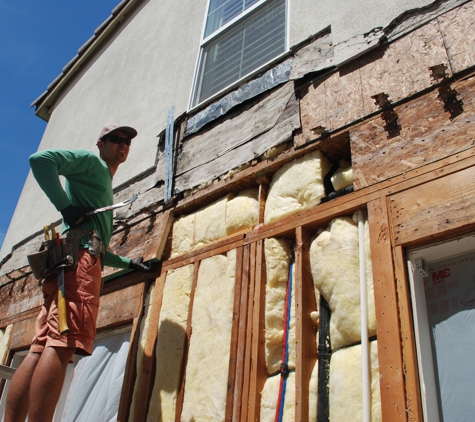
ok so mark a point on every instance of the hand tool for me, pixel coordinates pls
(63, 323)
(114, 206)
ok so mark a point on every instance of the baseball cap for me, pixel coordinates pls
(112, 127)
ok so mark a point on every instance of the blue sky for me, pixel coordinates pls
(37, 38)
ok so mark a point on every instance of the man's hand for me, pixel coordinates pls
(138, 265)
(74, 216)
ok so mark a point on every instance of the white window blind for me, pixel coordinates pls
(239, 39)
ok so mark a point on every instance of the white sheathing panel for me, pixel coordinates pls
(278, 256)
(242, 211)
(5, 336)
(346, 385)
(170, 344)
(334, 259)
(270, 397)
(144, 332)
(208, 356)
(296, 186)
(183, 235)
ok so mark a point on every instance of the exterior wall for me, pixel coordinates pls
(402, 168)
(128, 80)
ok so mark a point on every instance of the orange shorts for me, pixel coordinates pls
(82, 288)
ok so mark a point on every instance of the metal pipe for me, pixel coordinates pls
(324, 355)
(364, 321)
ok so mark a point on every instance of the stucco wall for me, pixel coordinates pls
(148, 67)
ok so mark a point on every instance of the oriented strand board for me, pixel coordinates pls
(296, 186)
(334, 257)
(346, 384)
(278, 257)
(270, 396)
(170, 344)
(208, 356)
(458, 29)
(427, 134)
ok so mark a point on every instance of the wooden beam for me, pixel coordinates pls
(130, 372)
(249, 327)
(305, 303)
(393, 400)
(243, 323)
(232, 369)
(145, 386)
(258, 364)
(411, 370)
(181, 393)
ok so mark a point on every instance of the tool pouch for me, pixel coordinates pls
(51, 253)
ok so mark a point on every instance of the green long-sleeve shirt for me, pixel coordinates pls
(88, 184)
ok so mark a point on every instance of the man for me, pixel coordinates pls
(37, 383)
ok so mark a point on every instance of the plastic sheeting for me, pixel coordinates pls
(275, 76)
(94, 393)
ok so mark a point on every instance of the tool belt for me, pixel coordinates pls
(51, 254)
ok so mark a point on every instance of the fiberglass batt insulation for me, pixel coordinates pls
(278, 256)
(144, 332)
(346, 384)
(334, 258)
(270, 396)
(242, 211)
(210, 222)
(183, 235)
(5, 336)
(170, 344)
(296, 186)
(208, 354)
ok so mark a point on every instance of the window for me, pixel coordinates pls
(443, 292)
(240, 36)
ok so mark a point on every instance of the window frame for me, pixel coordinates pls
(227, 26)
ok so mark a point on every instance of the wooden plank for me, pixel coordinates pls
(393, 403)
(146, 238)
(233, 352)
(434, 209)
(248, 343)
(120, 307)
(22, 333)
(147, 376)
(243, 322)
(306, 352)
(181, 393)
(411, 370)
(258, 365)
(130, 372)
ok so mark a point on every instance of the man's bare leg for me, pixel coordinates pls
(47, 382)
(19, 389)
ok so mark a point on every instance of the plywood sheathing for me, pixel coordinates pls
(227, 144)
(399, 69)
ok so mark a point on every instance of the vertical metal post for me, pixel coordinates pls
(324, 355)
(169, 138)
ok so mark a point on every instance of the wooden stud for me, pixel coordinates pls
(258, 366)
(242, 331)
(393, 403)
(130, 372)
(232, 368)
(411, 370)
(248, 341)
(305, 303)
(145, 386)
(181, 393)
